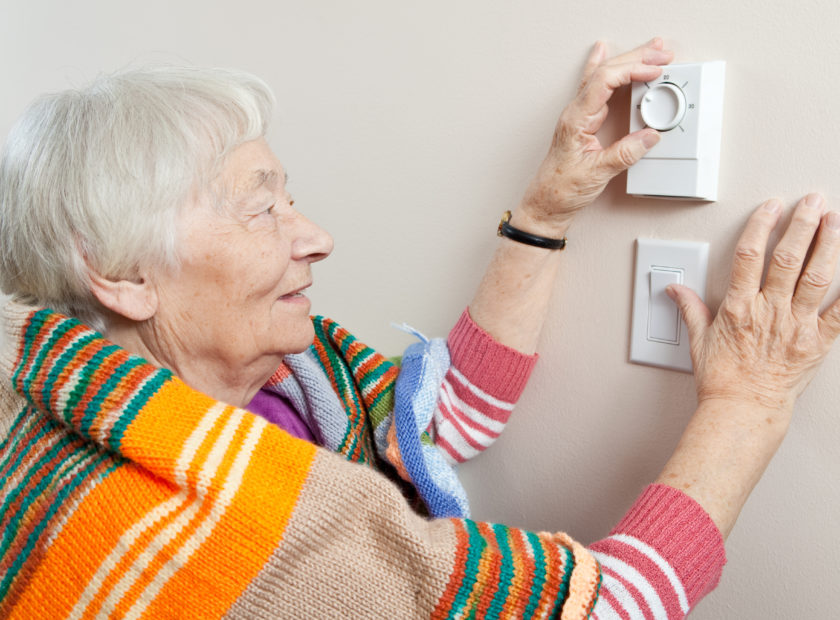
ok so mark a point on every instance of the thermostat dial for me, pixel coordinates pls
(663, 106)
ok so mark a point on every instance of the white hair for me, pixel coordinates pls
(96, 176)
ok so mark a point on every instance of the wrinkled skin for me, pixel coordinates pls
(767, 342)
(578, 167)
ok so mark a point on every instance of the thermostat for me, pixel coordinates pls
(686, 106)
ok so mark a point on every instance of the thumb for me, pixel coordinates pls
(696, 315)
(630, 149)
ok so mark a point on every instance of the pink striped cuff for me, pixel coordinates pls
(497, 369)
(679, 530)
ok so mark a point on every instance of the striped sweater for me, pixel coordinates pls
(127, 494)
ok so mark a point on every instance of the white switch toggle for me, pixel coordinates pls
(658, 335)
(663, 314)
(663, 106)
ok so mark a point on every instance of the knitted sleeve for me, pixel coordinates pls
(352, 548)
(478, 392)
(660, 560)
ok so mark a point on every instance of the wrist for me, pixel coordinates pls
(722, 455)
(746, 410)
(532, 221)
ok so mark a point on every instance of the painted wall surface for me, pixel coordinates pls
(408, 128)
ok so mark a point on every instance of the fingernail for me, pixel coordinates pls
(833, 221)
(669, 290)
(772, 206)
(650, 139)
(813, 200)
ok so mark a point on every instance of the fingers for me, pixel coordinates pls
(601, 77)
(748, 263)
(627, 151)
(605, 80)
(651, 53)
(789, 255)
(596, 57)
(696, 315)
(818, 274)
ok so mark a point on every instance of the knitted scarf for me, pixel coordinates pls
(350, 395)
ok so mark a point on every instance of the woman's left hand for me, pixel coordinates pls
(577, 167)
(756, 355)
(768, 338)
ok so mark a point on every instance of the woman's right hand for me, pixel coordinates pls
(578, 167)
(767, 341)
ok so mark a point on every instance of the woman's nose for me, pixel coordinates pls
(312, 242)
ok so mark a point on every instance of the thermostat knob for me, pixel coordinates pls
(663, 106)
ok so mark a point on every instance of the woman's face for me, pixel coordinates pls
(238, 297)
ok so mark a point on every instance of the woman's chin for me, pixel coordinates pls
(300, 337)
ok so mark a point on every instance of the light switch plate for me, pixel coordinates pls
(686, 104)
(655, 260)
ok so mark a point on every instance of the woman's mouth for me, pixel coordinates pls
(296, 294)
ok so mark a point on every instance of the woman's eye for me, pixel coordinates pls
(269, 210)
(291, 202)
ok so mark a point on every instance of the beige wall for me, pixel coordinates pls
(408, 129)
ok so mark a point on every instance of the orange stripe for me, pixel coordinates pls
(58, 347)
(356, 425)
(37, 341)
(103, 369)
(491, 567)
(86, 539)
(325, 363)
(208, 441)
(157, 435)
(247, 533)
(180, 539)
(35, 510)
(459, 562)
(230, 558)
(384, 382)
(517, 582)
(118, 398)
(554, 570)
(280, 374)
(129, 558)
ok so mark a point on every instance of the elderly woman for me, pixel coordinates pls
(180, 438)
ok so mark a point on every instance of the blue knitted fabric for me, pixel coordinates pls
(424, 365)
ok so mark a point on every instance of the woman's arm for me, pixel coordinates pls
(510, 305)
(512, 299)
(756, 356)
(751, 361)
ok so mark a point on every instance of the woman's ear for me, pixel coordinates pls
(134, 299)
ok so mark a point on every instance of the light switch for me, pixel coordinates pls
(663, 314)
(686, 106)
(658, 335)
